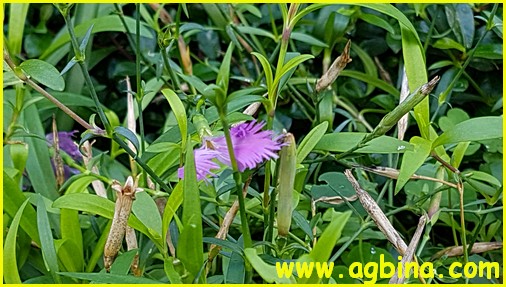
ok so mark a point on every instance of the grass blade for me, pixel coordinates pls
(46, 241)
(11, 273)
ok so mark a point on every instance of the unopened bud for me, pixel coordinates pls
(287, 169)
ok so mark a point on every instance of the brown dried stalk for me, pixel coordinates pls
(330, 200)
(57, 160)
(123, 207)
(377, 215)
(478, 247)
(394, 174)
(335, 69)
(408, 257)
(382, 221)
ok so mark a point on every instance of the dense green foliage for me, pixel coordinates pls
(191, 71)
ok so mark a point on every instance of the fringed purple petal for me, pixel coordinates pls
(251, 145)
(203, 163)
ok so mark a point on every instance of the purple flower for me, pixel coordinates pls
(251, 146)
(203, 163)
(66, 143)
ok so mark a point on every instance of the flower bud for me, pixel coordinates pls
(286, 175)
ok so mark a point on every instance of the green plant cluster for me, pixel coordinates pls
(416, 114)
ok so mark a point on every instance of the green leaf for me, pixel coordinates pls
(489, 51)
(308, 39)
(461, 19)
(78, 183)
(122, 263)
(448, 43)
(292, 63)
(440, 64)
(38, 165)
(172, 275)
(110, 278)
(190, 249)
(179, 112)
(173, 203)
(44, 73)
(67, 258)
(414, 61)
(255, 31)
(13, 198)
(19, 155)
(369, 65)
(374, 81)
(413, 160)
(483, 176)
(267, 69)
(96, 205)
(46, 240)
(341, 142)
(475, 129)
(325, 244)
(108, 23)
(235, 272)
(71, 233)
(11, 273)
(224, 73)
(144, 207)
(129, 135)
(17, 19)
(377, 21)
(310, 141)
(266, 271)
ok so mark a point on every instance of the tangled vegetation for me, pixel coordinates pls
(205, 143)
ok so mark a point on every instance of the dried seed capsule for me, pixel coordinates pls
(126, 196)
(287, 169)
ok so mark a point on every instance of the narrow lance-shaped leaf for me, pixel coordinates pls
(179, 112)
(267, 69)
(11, 273)
(190, 249)
(46, 240)
(224, 72)
(413, 160)
(310, 141)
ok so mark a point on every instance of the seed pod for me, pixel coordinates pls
(123, 207)
(286, 175)
(335, 69)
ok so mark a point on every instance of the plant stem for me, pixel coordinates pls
(248, 243)
(141, 162)
(80, 59)
(47, 95)
(140, 92)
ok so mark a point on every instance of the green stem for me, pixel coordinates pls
(172, 75)
(468, 60)
(131, 41)
(248, 243)
(140, 93)
(84, 68)
(141, 162)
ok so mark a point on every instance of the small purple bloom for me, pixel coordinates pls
(203, 163)
(251, 146)
(66, 143)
